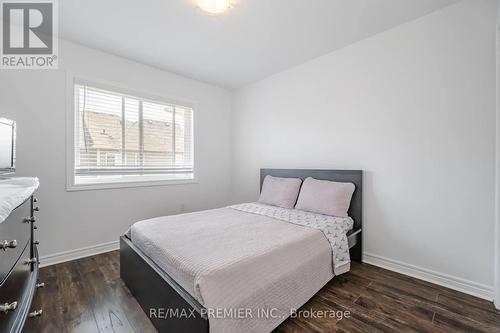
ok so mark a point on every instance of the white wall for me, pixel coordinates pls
(73, 220)
(414, 107)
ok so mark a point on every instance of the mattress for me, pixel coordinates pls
(230, 259)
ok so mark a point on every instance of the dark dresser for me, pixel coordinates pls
(18, 267)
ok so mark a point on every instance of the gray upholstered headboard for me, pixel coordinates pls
(351, 176)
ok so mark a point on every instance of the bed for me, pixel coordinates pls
(238, 268)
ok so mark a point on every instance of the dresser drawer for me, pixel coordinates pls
(14, 290)
(14, 228)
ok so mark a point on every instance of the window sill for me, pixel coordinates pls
(111, 182)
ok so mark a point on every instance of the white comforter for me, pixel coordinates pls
(261, 267)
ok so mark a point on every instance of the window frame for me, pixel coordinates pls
(133, 180)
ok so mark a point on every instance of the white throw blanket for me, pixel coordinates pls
(13, 192)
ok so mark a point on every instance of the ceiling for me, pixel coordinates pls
(254, 39)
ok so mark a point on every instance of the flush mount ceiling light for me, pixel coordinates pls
(214, 6)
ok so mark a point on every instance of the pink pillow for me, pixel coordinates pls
(281, 192)
(325, 197)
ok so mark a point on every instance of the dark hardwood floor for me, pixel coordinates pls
(87, 295)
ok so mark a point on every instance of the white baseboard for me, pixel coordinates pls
(60, 257)
(445, 280)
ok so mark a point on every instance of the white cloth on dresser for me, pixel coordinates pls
(13, 192)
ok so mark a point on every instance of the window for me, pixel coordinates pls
(121, 138)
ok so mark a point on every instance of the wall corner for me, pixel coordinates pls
(497, 166)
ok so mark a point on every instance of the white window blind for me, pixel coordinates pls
(119, 134)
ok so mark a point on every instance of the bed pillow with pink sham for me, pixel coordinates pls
(325, 197)
(281, 192)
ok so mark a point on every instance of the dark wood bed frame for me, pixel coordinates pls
(157, 292)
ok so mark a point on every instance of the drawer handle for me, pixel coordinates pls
(36, 313)
(8, 307)
(8, 244)
(36, 209)
(30, 261)
(40, 285)
(29, 219)
(37, 242)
